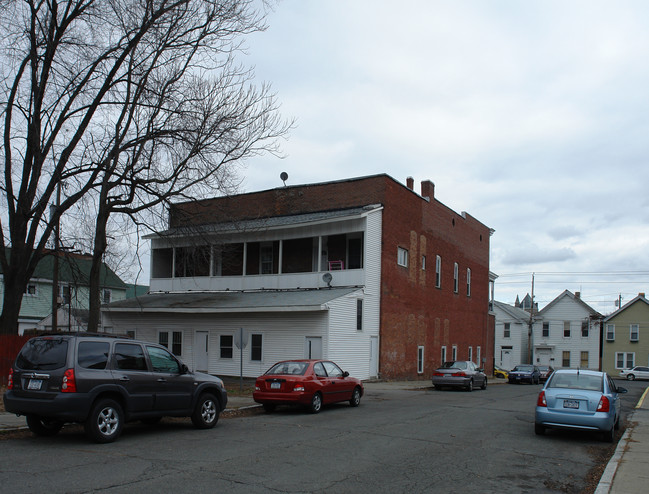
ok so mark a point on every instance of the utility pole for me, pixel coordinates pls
(530, 333)
(55, 269)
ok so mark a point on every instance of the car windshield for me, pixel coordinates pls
(523, 368)
(543, 368)
(576, 381)
(284, 368)
(454, 365)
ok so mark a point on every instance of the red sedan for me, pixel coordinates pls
(311, 383)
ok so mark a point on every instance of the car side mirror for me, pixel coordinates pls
(345, 374)
(184, 369)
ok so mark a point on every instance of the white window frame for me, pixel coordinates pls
(456, 277)
(423, 263)
(478, 355)
(454, 353)
(610, 332)
(170, 341)
(507, 330)
(634, 330)
(261, 356)
(402, 257)
(628, 360)
(545, 331)
(443, 354)
(31, 293)
(438, 272)
(468, 282)
(420, 360)
(567, 328)
(106, 296)
(471, 353)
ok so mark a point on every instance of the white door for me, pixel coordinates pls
(313, 347)
(374, 356)
(201, 351)
(506, 359)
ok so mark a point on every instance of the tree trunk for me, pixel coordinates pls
(98, 252)
(15, 281)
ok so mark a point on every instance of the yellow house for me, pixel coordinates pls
(625, 341)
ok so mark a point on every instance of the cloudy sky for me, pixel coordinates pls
(532, 116)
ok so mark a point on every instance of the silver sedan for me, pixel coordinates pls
(460, 374)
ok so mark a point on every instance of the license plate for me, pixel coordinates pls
(35, 384)
(570, 404)
(275, 385)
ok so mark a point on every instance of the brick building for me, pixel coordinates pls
(366, 271)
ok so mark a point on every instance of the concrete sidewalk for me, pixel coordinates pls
(627, 471)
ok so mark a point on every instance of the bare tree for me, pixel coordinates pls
(134, 101)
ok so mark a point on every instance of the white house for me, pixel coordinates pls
(566, 333)
(511, 336)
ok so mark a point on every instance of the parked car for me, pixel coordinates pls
(103, 381)
(310, 383)
(545, 372)
(637, 372)
(459, 374)
(525, 373)
(500, 372)
(579, 399)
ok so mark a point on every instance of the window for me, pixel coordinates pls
(456, 275)
(566, 329)
(634, 331)
(468, 282)
(454, 352)
(443, 354)
(266, 258)
(471, 353)
(507, 331)
(129, 332)
(30, 290)
(546, 329)
(106, 296)
(93, 354)
(610, 332)
(584, 328)
(255, 347)
(402, 257)
(332, 369)
(566, 359)
(176, 341)
(478, 356)
(129, 356)
(438, 272)
(163, 361)
(423, 263)
(359, 314)
(624, 360)
(583, 362)
(64, 294)
(420, 360)
(226, 345)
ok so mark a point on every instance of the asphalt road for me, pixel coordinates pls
(395, 441)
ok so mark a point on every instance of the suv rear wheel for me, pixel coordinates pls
(43, 426)
(105, 422)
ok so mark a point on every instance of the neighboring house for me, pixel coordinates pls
(73, 292)
(364, 271)
(626, 336)
(511, 336)
(566, 334)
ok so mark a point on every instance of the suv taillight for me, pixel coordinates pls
(10, 379)
(69, 384)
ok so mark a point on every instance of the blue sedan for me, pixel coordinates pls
(579, 399)
(525, 373)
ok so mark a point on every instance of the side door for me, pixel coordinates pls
(131, 372)
(337, 388)
(173, 387)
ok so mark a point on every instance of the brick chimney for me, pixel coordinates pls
(578, 294)
(427, 189)
(410, 183)
(641, 294)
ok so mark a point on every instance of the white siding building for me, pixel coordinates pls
(566, 334)
(511, 339)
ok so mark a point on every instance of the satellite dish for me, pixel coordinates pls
(327, 279)
(284, 177)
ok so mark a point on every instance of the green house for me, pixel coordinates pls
(73, 293)
(625, 342)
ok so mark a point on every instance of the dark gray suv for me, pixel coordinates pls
(104, 381)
